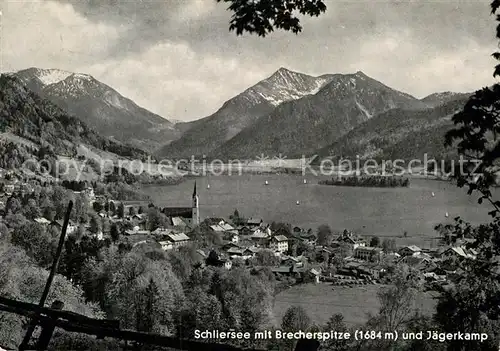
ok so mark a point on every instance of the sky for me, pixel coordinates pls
(178, 58)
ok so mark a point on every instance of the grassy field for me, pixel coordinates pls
(323, 300)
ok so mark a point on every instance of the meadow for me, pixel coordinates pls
(323, 300)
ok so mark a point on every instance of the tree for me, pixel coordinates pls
(31, 210)
(149, 298)
(397, 308)
(266, 258)
(106, 225)
(325, 234)
(375, 241)
(60, 200)
(202, 310)
(235, 217)
(212, 259)
(295, 319)
(13, 205)
(280, 228)
(389, 245)
(95, 224)
(131, 292)
(114, 233)
(120, 210)
(131, 211)
(80, 209)
(97, 206)
(474, 302)
(336, 323)
(36, 241)
(155, 219)
(262, 17)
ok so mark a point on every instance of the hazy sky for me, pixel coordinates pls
(178, 59)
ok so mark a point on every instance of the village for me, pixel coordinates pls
(293, 254)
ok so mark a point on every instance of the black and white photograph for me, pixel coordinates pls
(250, 175)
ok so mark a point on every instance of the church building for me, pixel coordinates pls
(190, 215)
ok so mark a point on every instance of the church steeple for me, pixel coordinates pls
(195, 207)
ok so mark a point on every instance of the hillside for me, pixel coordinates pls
(302, 126)
(100, 107)
(205, 135)
(398, 134)
(436, 99)
(33, 118)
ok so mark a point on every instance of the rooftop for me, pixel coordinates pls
(280, 238)
(185, 212)
(178, 237)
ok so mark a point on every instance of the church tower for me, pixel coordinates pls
(195, 207)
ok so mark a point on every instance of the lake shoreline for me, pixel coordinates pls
(383, 212)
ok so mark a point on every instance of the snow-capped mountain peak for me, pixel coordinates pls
(98, 105)
(51, 76)
(285, 85)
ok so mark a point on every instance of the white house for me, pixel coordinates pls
(99, 235)
(279, 243)
(166, 245)
(228, 264)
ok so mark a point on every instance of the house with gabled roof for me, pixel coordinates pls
(232, 237)
(459, 252)
(179, 222)
(352, 240)
(59, 224)
(279, 243)
(177, 239)
(244, 230)
(243, 253)
(410, 250)
(42, 220)
(260, 237)
(253, 222)
(367, 253)
(291, 261)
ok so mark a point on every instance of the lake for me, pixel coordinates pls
(384, 212)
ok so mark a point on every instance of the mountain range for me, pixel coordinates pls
(299, 127)
(288, 113)
(209, 133)
(294, 114)
(400, 134)
(35, 123)
(100, 106)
